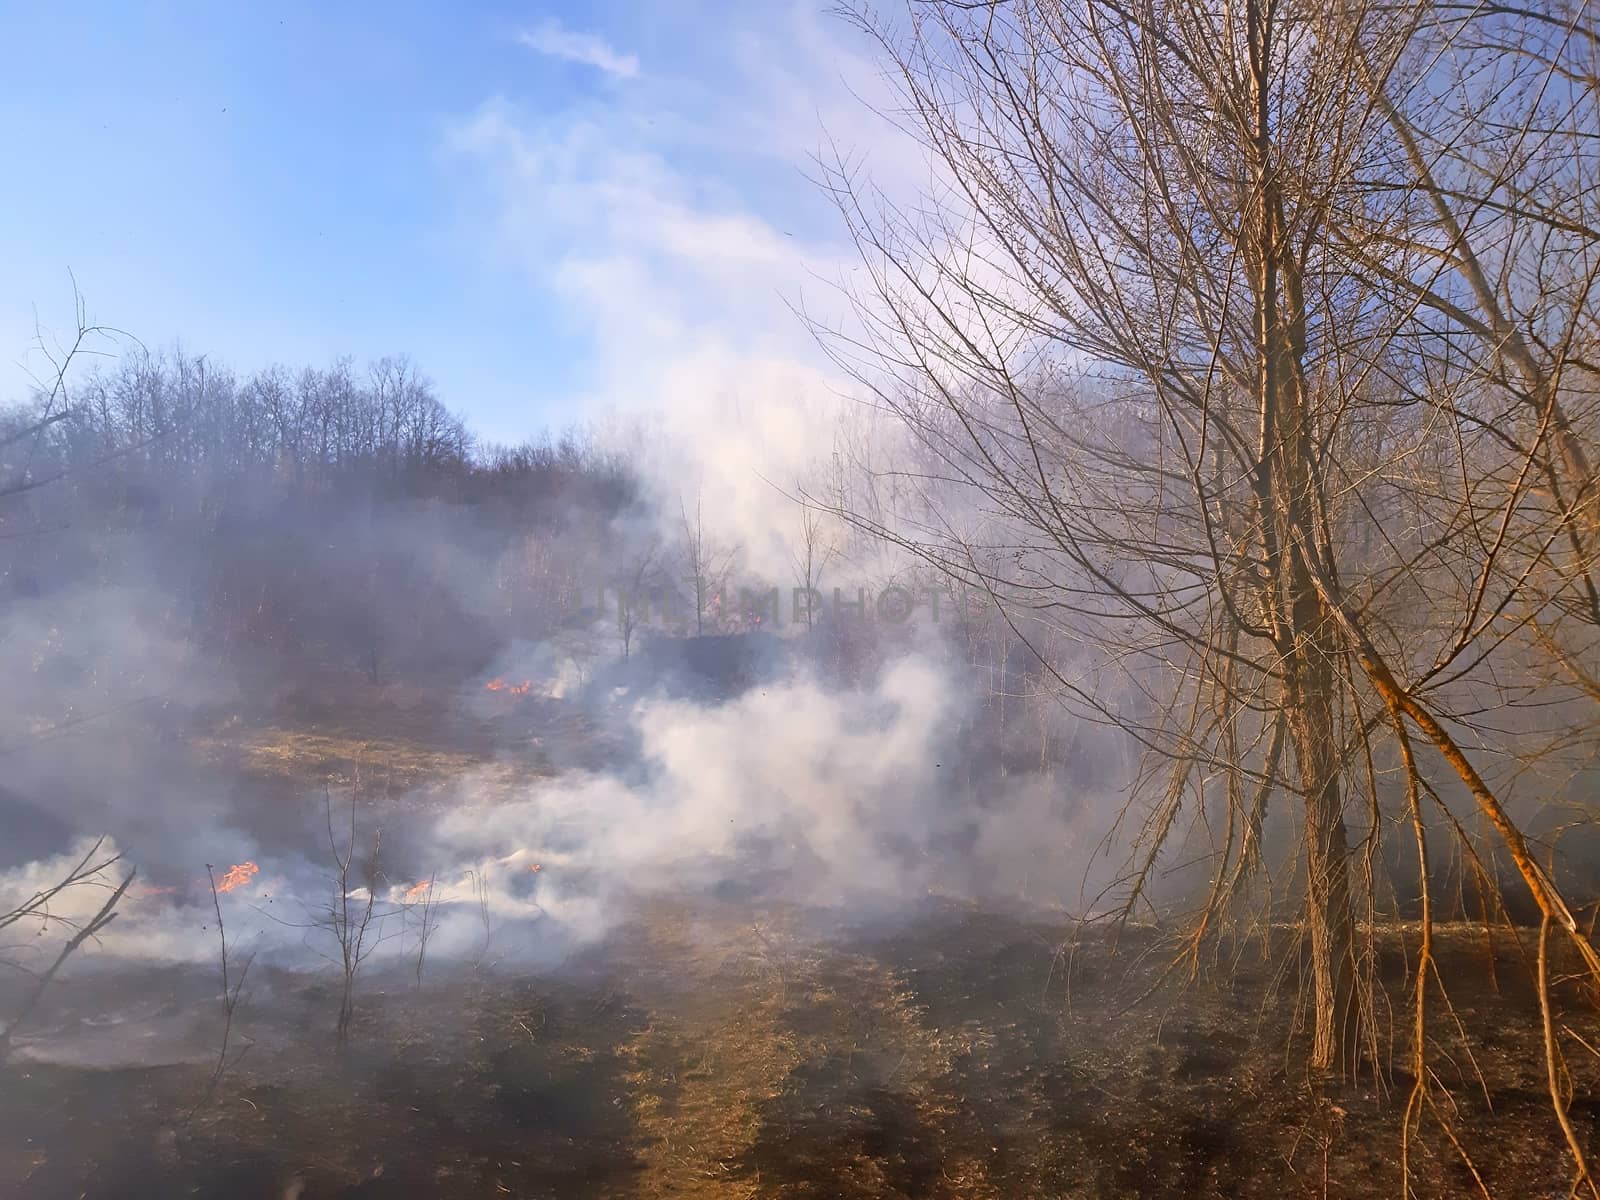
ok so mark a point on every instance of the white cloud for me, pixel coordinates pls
(553, 39)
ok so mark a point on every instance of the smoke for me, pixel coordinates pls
(848, 801)
(93, 670)
(870, 775)
(813, 791)
(695, 275)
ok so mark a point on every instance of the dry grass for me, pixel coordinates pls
(305, 756)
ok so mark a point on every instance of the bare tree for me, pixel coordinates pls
(1180, 398)
(36, 908)
(353, 919)
(421, 911)
(644, 577)
(816, 551)
(232, 993)
(54, 405)
(480, 893)
(26, 465)
(706, 563)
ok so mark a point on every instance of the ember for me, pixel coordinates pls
(515, 689)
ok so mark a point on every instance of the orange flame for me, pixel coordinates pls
(516, 689)
(238, 875)
(416, 890)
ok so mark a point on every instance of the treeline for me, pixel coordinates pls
(183, 414)
(303, 516)
(180, 412)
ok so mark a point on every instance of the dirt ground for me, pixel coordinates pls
(715, 1052)
(715, 1048)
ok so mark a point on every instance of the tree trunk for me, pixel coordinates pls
(1329, 916)
(1304, 628)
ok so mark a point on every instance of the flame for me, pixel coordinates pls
(416, 890)
(238, 875)
(516, 689)
(535, 868)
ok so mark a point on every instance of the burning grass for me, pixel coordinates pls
(713, 1049)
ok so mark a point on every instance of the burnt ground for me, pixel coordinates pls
(717, 1052)
(710, 1048)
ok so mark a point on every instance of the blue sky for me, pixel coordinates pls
(552, 208)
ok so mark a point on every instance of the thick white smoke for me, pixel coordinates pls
(792, 792)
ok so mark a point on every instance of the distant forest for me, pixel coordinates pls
(334, 514)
